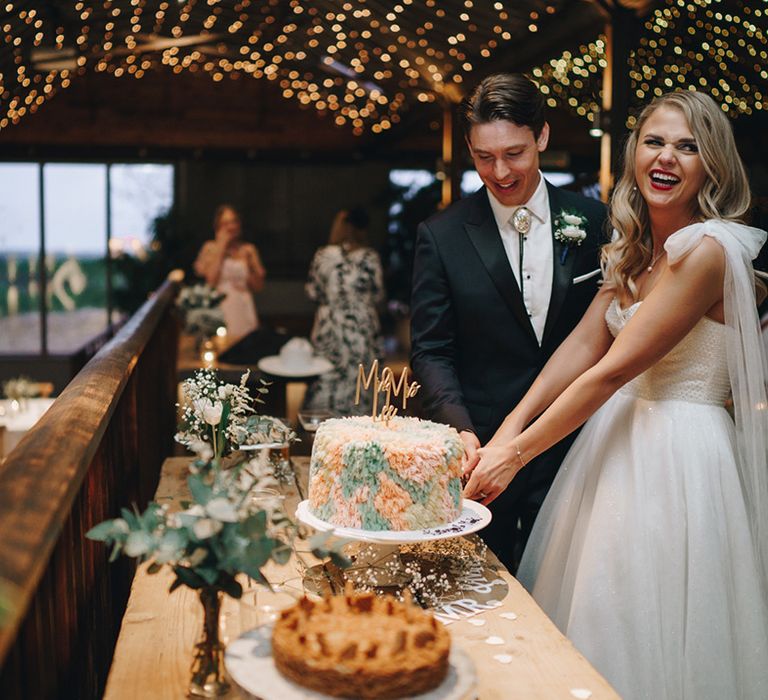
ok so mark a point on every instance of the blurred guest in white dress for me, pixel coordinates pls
(234, 267)
(346, 283)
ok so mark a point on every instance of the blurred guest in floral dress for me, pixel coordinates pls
(345, 281)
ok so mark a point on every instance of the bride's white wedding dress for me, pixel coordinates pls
(643, 551)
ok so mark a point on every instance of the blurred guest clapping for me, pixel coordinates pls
(234, 267)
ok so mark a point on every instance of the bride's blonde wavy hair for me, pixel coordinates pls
(724, 195)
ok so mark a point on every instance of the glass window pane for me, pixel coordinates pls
(75, 247)
(19, 257)
(415, 195)
(558, 179)
(139, 193)
(470, 182)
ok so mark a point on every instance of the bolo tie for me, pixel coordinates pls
(521, 222)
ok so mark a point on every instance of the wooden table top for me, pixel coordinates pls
(154, 651)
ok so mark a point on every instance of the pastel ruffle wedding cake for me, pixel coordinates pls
(402, 474)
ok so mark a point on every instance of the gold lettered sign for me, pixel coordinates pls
(385, 383)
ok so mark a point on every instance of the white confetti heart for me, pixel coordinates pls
(503, 658)
(581, 693)
(477, 622)
(509, 616)
(494, 641)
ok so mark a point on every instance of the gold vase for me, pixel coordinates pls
(208, 680)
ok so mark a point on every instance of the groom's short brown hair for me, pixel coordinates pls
(505, 96)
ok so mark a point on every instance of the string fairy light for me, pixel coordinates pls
(574, 80)
(715, 47)
(685, 44)
(362, 63)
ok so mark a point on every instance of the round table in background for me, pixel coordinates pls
(273, 370)
(17, 417)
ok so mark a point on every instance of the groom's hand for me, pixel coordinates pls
(493, 474)
(471, 458)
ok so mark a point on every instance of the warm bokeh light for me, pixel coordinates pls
(364, 63)
(686, 44)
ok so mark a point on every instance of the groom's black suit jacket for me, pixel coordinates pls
(474, 350)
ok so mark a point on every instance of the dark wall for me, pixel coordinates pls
(287, 209)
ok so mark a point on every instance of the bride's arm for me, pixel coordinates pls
(583, 347)
(684, 293)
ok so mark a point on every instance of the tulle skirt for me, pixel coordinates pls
(642, 554)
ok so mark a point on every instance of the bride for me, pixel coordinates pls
(650, 551)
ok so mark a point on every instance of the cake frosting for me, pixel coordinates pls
(403, 474)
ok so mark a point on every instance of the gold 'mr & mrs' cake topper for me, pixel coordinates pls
(386, 383)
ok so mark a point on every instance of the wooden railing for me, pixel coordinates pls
(99, 447)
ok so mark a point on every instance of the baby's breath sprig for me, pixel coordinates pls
(214, 414)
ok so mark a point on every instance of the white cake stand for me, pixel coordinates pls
(473, 517)
(383, 558)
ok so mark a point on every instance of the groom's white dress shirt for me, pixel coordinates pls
(538, 252)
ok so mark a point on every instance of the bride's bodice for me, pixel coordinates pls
(694, 370)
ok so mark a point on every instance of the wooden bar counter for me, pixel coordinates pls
(154, 651)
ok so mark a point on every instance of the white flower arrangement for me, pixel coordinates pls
(570, 229)
(217, 418)
(199, 303)
(199, 296)
(20, 388)
(223, 531)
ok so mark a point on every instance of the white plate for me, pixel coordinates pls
(273, 364)
(22, 415)
(474, 516)
(263, 446)
(249, 663)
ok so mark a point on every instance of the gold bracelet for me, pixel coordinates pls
(519, 455)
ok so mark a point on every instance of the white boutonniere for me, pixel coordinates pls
(570, 230)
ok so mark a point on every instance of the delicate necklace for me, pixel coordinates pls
(655, 260)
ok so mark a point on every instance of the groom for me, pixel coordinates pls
(500, 279)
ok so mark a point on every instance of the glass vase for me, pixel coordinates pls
(208, 680)
(208, 353)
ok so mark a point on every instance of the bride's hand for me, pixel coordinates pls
(492, 474)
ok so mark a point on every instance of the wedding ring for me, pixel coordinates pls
(482, 494)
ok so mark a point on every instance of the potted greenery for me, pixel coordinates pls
(222, 531)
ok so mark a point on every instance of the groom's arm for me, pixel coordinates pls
(433, 336)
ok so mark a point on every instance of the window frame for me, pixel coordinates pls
(42, 271)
